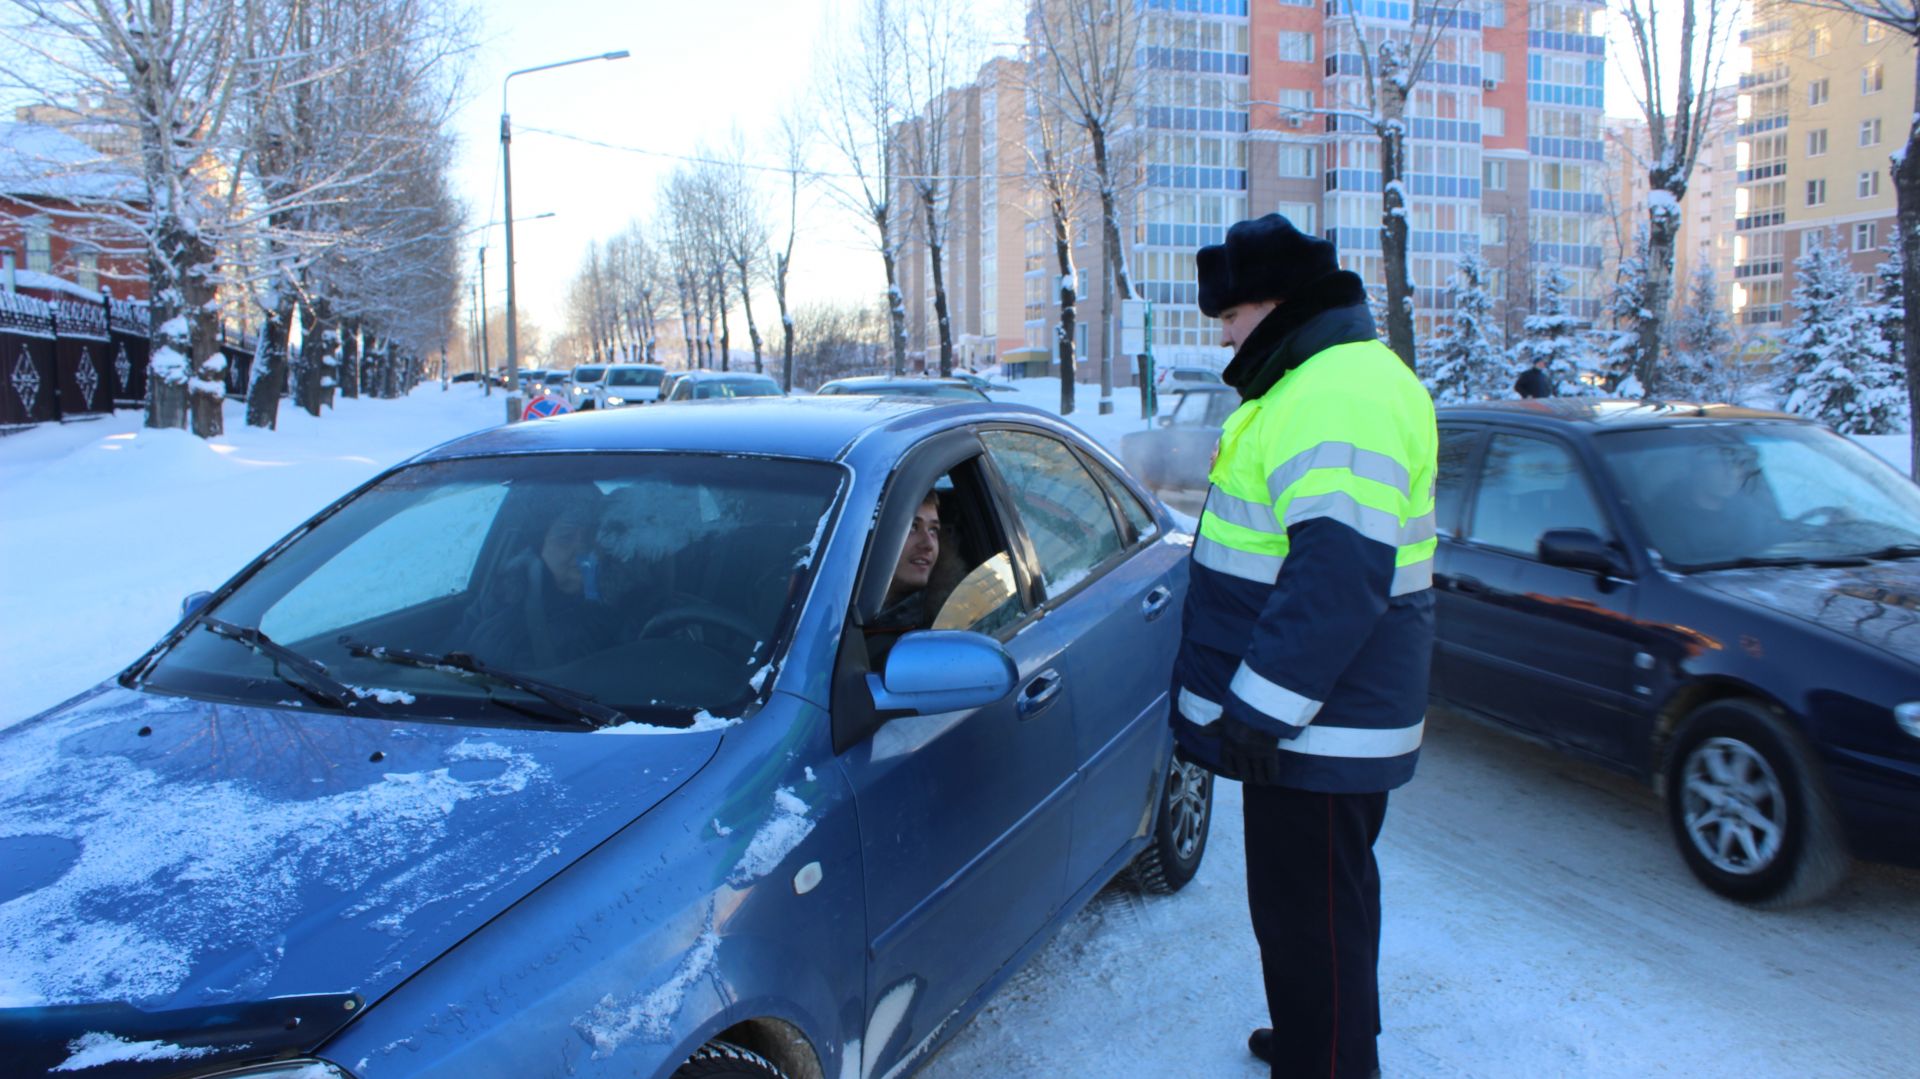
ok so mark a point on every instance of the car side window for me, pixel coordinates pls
(1450, 490)
(1527, 487)
(1065, 512)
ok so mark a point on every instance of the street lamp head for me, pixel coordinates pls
(621, 55)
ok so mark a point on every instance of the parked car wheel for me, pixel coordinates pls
(1751, 816)
(725, 1060)
(1180, 830)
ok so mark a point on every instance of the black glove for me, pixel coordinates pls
(1248, 753)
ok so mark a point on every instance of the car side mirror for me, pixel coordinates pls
(942, 670)
(1580, 548)
(192, 604)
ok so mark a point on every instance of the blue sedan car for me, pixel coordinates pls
(640, 743)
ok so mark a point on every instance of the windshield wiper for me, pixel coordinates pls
(1754, 562)
(582, 707)
(1893, 552)
(313, 677)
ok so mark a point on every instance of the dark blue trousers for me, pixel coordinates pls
(1313, 889)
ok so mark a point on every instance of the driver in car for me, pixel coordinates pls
(906, 608)
(1719, 511)
(544, 607)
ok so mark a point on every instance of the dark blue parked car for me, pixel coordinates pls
(1721, 601)
(562, 750)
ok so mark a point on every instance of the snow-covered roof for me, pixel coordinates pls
(41, 161)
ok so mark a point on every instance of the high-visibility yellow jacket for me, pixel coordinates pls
(1309, 613)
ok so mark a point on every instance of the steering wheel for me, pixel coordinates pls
(695, 614)
(1832, 514)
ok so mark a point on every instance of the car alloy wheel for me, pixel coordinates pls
(1180, 825)
(1735, 808)
(1749, 811)
(725, 1060)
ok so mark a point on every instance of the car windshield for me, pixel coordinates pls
(584, 375)
(737, 387)
(632, 377)
(657, 585)
(1203, 409)
(1719, 495)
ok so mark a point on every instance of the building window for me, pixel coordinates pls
(1816, 142)
(1493, 121)
(1817, 92)
(1874, 31)
(1816, 192)
(1819, 41)
(1873, 78)
(1493, 229)
(1870, 132)
(39, 245)
(1493, 175)
(1296, 106)
(1493, 66)
(1865, 233)
(1494, 14)
(1302, 214)
(87, 270)
(1868, 184)
(1296, 161)
(1296, 46)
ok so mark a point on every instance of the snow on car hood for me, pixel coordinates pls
(1877, 604)
(176, 853)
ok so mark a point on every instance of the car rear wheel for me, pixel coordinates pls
(725, 1060)
(1180, 826)
(1749, 811)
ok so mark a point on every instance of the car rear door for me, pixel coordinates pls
(1108, 586)
(1559, 647)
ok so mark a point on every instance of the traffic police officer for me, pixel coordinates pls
(1308, 627)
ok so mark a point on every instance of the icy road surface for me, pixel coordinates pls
(1538, 923)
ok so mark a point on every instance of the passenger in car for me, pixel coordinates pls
(908, 605)
(544, 606)
(1719, 510)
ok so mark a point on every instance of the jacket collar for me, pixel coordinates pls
(1331, 311)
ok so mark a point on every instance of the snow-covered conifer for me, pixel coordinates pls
(1627, 306)
(1550, 333)
(1699, 364)
(1463, 363)
(1840, 370)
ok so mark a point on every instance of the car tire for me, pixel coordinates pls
(1180, 826)
(1749, 810)
(725, 1060)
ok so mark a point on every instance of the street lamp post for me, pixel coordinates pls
(506, 176)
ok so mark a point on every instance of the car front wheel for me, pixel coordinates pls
(1180, 825)
(1749, 811)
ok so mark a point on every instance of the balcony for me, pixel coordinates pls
(1763, 123)
(1759, 268)
(1762, 78)
(1761, 172)
(1771, 26)
(1765, 219)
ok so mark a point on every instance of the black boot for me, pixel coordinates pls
(1260, 1044)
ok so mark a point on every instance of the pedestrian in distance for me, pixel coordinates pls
(1534, 382)
(1308, 627)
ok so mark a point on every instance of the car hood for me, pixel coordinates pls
(178, 854)
(1877, 604)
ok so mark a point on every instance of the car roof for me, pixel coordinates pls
(719, 376)
(823, 428)
(895, 380)
(1607, 414)
(636, 366)
(1205, 387)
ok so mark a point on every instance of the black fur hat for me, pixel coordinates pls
(1263, 259)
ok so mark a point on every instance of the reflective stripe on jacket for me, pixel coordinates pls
(1309, 613)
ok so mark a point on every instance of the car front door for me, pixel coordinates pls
(965, 817)
(1558, 642)
(1109, 590)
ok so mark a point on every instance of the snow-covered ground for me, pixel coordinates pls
(1538, 921)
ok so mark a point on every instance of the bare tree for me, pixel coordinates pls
(741, 232)
(862, 106)
(1675, 92)
(1054, 152)
(940, 47)
(1092, 65)
(795, 136)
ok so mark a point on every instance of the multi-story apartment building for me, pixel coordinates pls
(1249, 109)
(1707, 213)
(1824, 102)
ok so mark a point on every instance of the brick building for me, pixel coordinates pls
(62, 207)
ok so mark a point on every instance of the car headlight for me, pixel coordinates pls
(616, 400)
(1908, 716)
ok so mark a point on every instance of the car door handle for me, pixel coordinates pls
(1156, 602)
(1469, 585)
(1039, 693)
